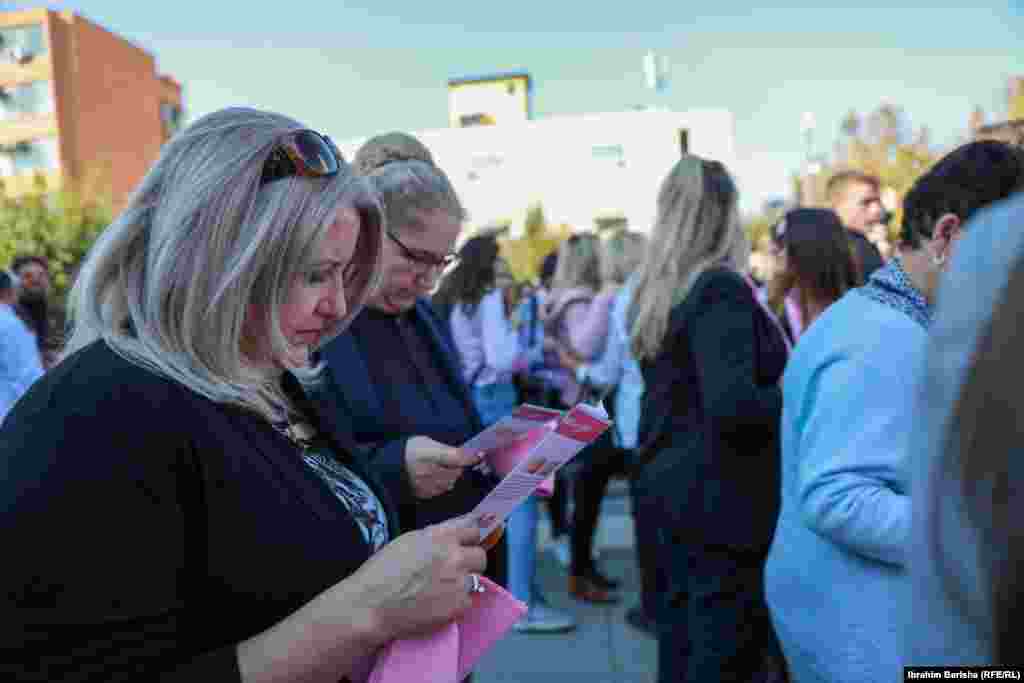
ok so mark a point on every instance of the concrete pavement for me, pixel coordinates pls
(603, 648)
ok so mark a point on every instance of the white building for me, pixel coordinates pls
(578, 167)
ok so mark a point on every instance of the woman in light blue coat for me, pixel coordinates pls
(836, 576)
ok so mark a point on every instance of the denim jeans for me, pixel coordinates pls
(493, 402)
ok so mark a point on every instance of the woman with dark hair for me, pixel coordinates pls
(967, 543)
(491, 352)
(480, 310)
(816, 267)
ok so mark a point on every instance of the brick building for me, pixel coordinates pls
(78, 104)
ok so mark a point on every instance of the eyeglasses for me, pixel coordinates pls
(425, 258)
(304, 153)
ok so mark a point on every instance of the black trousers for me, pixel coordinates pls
(558, 505)
(648, 523)
(718, 628)
(598, 464)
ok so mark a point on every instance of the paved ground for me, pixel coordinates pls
(604, 648)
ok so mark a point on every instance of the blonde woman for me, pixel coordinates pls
(711, 361)
(614, 369)
(576, 311)
(174, 507)
(576, 317)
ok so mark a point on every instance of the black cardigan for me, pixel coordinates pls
(710, 415)
(147, 530)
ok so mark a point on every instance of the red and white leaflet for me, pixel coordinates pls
(548, 451)
(522, 420)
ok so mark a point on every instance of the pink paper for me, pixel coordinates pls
(448, 654)
(504, 458)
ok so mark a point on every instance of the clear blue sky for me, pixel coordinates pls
(356, 67)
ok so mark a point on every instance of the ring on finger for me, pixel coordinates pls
(475, 584)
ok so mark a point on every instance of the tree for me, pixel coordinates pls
(525, 254)
(759, 228)
(886, 146)
(1015, 111)
(60, 224)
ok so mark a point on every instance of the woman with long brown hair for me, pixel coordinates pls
(816, 267)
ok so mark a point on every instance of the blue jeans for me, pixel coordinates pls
(521, 533)
(493, 402)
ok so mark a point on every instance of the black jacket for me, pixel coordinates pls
(710, 417)
(147, 530)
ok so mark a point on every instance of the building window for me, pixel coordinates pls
(20, 44)
(25, 99)
(29, 156)
(170, 117)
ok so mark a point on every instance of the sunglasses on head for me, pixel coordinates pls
(304, 153)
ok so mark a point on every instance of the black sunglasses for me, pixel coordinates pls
(424, 257)
(303, 153)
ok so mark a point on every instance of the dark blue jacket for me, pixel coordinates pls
(360, 414)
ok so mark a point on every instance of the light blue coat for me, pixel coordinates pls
(20, 364)
(836, 573)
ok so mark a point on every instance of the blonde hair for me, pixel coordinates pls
(697, 227)
(622, 253)
(403, 172)
(169, 283)
(579, 263)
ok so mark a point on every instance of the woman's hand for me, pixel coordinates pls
(433, 467)
(416, 583)
(420, 580)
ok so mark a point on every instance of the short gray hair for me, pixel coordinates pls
(403, 172)
(168, 284)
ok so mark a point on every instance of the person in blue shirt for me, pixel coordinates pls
(836, 574)
(20, 363)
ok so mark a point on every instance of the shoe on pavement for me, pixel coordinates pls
(541, 619)
(582, 588)
(601, 581)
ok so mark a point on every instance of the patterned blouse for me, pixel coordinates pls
(891, 287)
(354, 493)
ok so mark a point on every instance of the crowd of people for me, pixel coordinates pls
(245, 464)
